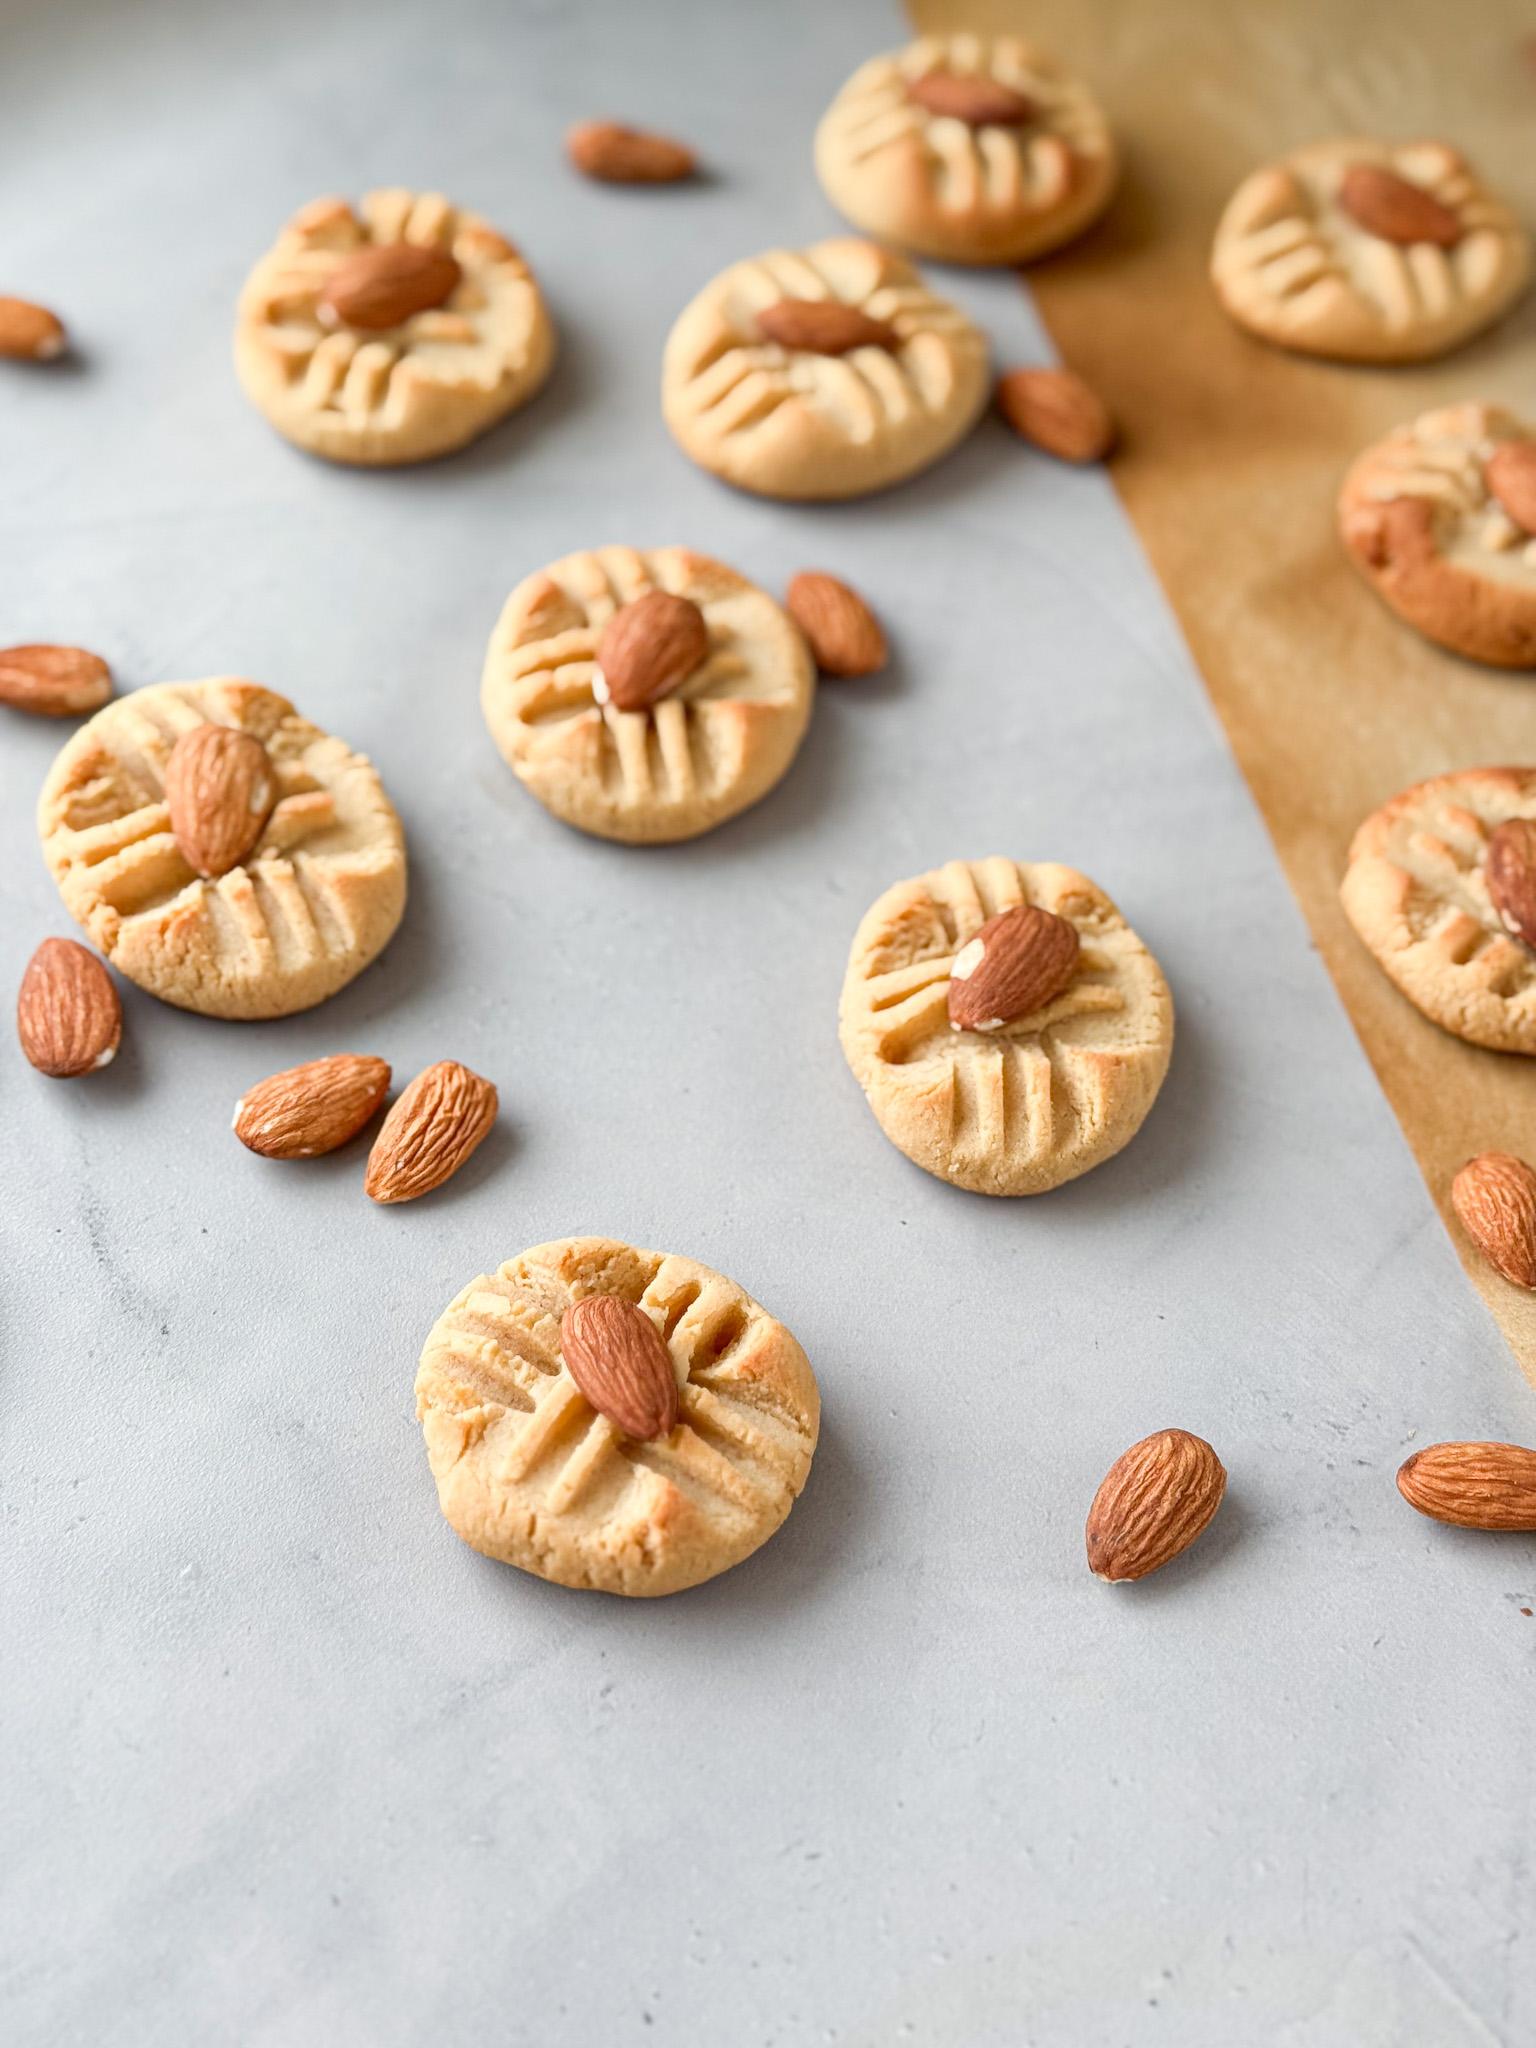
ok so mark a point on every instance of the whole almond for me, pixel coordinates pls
(824, 327)
(218, 789)
(305, 1111)
(1510, 472)
(1057, 412)
(843, 632)
(1509, 868)
(615, 1354)
(53, 682)
(1395, 209)
(30, 334)
(382, 285)
(1494, 1196)
(980, 102)
(627, 156)
(434, 1126)
(68, 1016)
(648, 649)
(1474, 1485)
(1015, 964)
(1154, 1501)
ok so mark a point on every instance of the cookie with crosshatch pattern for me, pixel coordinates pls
(529, 1471)
(1017, 1103)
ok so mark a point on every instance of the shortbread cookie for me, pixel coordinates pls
(1441, 917)
(1440, 518)
(1368, 251)
(1008, 1027)
(316, 897)
(644, 765)
(821, 373)
(631, 1486)
(967, 149)
(393, 334)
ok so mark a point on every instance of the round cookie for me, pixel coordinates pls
(1011, 1106)
(1416, 890)
(879, 380)
(676, 767)
(1440, 519)
(354, 391)
(318, 897)
(968, 149)
(1297, 264)
(530, 1472)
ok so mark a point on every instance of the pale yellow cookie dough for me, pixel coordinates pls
(688, 762)
(404, 393)
(1018, 1110)
(317, 898)
(529, 1473)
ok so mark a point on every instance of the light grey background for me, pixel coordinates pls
(286, 1766)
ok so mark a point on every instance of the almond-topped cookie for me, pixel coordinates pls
(1369, 251)
(390, 333)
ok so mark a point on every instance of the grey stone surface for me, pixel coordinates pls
(284, 1765)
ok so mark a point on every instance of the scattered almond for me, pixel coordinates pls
(386, 283)
(1510, 472)
(1474, 1486)
(825, 327)
(53, 682)
(627, 156)
(1395, 209)
(980, 102)
(1154, 1501)
(1509, 868)
(218, 790)
(843, 632)
(68, 1016)
(615, 1354)
(648, 649)
(1015, 964)
(1057, 412)
(30, 334)
(1494, 1196)
(434, 1126)
(305, 1111)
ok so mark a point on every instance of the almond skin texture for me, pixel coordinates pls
(432, 1129)
(1494, 1197)
(1509, 867)
(1473, 1486)
(1395, 210)
(648, 649)
(627, 156)
(1154, 1501)
(1511, 476)
(1015, 965)
(30, 334)
(1057, 412)
(980, 102)
(381, 286)
(68, 1016)
(53, 682)
(843, 632)
(825, 327)
(614, 1353)
(218, 790)
(305, 1111)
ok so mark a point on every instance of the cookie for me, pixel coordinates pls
(821, 373)
(969, 149)
(1008, 1027)
(1368, 251)
(719, 736)
(1440, 519)
(317, 896)
(599, 1488)
(392, 335)
(1417, 889)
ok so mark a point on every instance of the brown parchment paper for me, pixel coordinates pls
(1233, 453)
